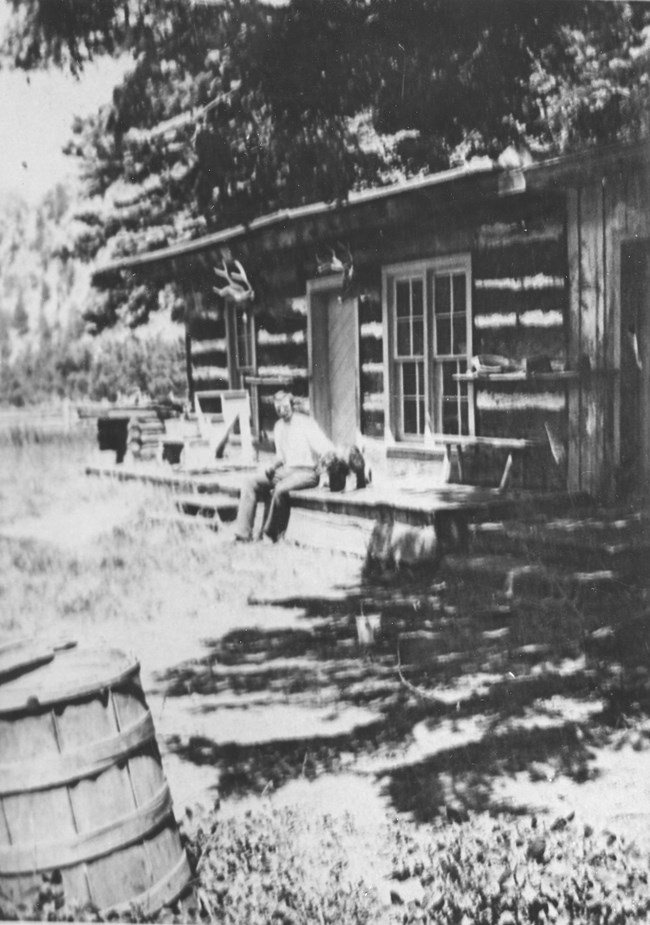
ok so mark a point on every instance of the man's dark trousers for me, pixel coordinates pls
(274, 492)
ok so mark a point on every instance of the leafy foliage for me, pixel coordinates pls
(73, 364)
(283, 866)
(503, 871)
(232, 110)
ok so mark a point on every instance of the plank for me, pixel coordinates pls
(615, 212)
(592, 310)
(217, 503)
(147, 777)
(574, 397)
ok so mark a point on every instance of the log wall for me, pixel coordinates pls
(206, 326)
(371, 364)
(282, 356)
(546, 272)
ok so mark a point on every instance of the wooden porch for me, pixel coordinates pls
(343, 520)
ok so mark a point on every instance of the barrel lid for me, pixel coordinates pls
(69, 674)
(22, 655)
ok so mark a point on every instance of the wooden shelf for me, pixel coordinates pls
(268, 380)
(564, 376)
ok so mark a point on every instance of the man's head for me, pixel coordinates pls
(283, 403)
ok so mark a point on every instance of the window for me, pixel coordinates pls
(409, 342)
(430, 307)
(451, 334)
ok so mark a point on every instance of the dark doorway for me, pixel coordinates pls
(635, 370)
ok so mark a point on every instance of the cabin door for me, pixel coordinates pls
(334, 352)
(635, 369)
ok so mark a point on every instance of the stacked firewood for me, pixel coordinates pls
(145, 431)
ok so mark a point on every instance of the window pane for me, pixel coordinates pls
(443, 294)
(460, 295)
(418, 297)
(409, 379)
(418, 337)
(419, 369)
(443, 328)
(449, 385)
(464, 416)
(403, 337)
(403, 298)
(449, 417)
(460, 334)
(244, 344)
(410, 410)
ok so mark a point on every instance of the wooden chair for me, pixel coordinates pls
(199, 442)
(217, 414)
(514, 448)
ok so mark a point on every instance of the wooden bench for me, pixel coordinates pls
(514, 447)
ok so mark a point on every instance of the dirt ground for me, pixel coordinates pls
(259, 690)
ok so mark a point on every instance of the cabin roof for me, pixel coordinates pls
(562, 171)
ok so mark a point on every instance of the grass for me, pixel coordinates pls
(87, 554)
(85, 557)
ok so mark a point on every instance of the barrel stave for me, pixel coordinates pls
(102, 807)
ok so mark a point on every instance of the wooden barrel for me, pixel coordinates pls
(82, 789)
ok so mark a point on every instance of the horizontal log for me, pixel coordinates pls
(210, 345)
(520, 260)
(371, 351)
(512, 422)
(207, 329)
(517, 301)
(370, 309)
(518, 343)
(372, 383)
(373, 330)
(271, 355)
(268, 338)
(500, 233)
(519, 400)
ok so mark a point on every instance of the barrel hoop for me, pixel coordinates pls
(68, 767)
(29, 858)
(165, 891)
(20, 701)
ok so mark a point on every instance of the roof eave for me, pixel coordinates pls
(287, 216)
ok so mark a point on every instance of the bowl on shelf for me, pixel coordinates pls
(487, 364)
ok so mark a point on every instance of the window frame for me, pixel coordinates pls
(432, 362)
(248, 334)
(414, 359)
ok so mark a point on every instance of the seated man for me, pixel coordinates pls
(299, 446)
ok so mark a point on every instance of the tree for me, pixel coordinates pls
(239, 108)
(21, 318)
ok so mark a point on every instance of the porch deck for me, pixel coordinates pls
(410, 501)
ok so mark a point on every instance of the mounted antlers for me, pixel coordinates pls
(237, 287)
(337, 264)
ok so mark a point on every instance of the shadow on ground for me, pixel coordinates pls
(478, 696)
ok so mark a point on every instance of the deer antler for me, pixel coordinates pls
(330, 264)
(347, 265)
(237, 287)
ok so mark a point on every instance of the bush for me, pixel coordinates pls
(505, 871)
(288, 867)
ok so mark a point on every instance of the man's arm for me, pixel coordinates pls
(278, 462)
(320, 444)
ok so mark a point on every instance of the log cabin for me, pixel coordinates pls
(508, 306)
